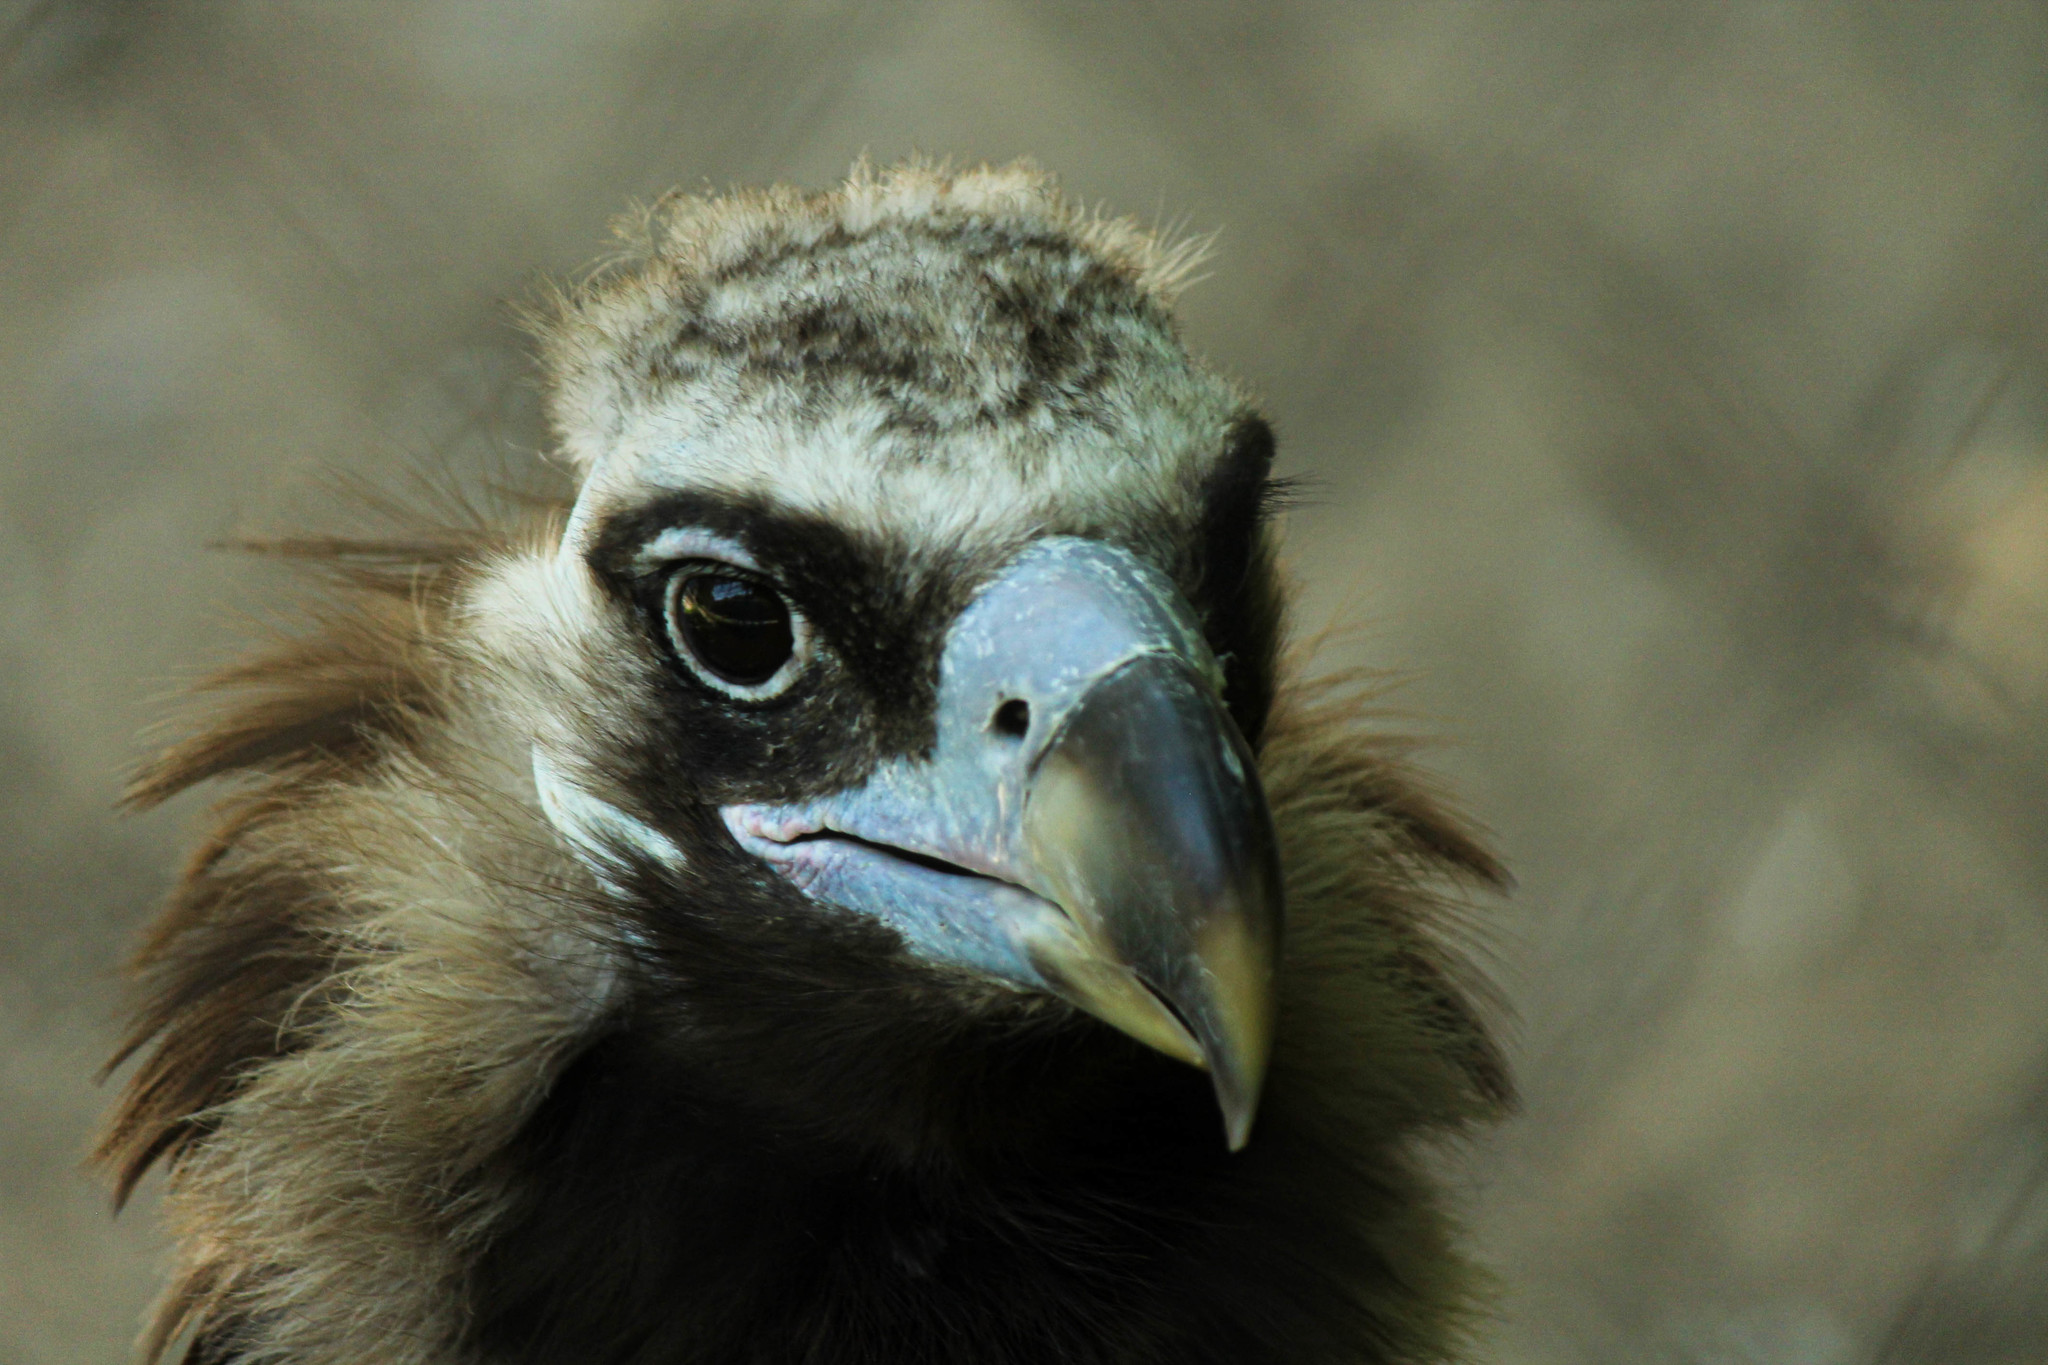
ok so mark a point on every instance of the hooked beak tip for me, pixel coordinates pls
(1149, 826)
(1237, 1120)
(1237, 1041)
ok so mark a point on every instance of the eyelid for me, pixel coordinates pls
(679, 545)
(719, 568)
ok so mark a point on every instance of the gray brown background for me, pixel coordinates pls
(1670, 384)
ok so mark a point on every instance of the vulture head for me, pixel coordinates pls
(850, 881)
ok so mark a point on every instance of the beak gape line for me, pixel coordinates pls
(1089, 823)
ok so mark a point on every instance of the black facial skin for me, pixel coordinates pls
(878, 615)
(879, 612)
(1234, 586)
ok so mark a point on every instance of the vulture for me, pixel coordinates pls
(859, 877)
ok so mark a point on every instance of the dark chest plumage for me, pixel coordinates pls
(661, 1221)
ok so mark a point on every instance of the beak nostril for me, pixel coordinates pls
(1012, 719)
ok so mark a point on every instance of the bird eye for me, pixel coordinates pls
(733, 627)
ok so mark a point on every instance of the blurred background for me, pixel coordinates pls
(1670, 386)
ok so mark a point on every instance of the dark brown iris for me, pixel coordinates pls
(737, 628)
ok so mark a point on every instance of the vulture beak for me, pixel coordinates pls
(1147, 827)
(1089, 821)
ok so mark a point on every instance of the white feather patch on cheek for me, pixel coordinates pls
(540, 617)
(595, 828)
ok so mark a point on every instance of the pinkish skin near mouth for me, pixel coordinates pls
(784, 836)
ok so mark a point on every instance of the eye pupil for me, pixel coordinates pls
(737, 628)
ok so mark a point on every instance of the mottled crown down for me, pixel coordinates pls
(914, 321)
